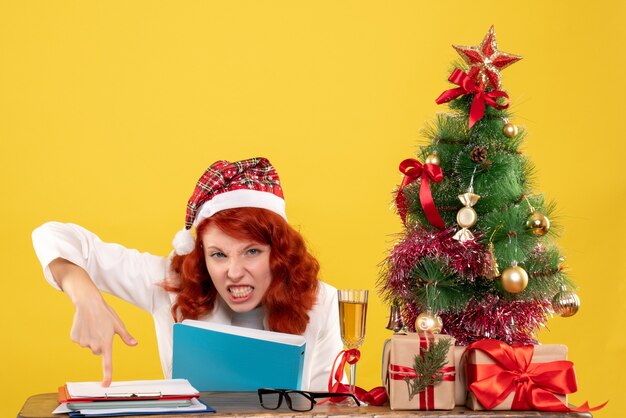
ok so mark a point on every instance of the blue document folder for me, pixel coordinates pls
(215, 357)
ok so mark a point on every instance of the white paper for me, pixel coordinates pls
(196, 406)
(257, 334)
(167, 387)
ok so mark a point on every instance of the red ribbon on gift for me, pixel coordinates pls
(412, 170)
(402, 372)
(535, 385)
(375, 397)
(468, 85)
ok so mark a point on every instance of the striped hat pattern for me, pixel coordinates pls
(227, 185)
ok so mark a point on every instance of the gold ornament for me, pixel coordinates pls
(538, 223)
(466, 217)
(566, 303)
(428, 322)
(491, 269)
(514, 279)
(432, 159)
(510, 130)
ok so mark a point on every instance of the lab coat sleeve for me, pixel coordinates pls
(125, 273)
(329, 343)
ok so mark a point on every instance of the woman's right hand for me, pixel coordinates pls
(95, 322)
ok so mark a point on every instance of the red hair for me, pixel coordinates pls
(293, 289)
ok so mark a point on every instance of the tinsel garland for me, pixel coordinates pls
(486, 316)
(466, 260)
(491, 316)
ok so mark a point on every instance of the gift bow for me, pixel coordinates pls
(412, 170)
(468, 85)
(375, 397)
(535, 385)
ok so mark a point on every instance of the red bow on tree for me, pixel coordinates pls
(468, 85)
(412, 170)
(534, 384)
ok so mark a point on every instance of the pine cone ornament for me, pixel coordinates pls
(478, 154)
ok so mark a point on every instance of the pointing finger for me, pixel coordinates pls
(107, 365)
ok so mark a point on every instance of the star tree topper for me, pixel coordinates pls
(487, 59)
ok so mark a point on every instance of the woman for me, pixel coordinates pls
(246, 267)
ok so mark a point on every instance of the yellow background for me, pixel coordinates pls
(110, 110)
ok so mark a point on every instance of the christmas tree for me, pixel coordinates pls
(477, 258)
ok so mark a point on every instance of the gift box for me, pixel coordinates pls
(460, 385)
(400, 378)
(525, 377)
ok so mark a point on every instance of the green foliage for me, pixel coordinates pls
(511, 239)
(545, 267)
(435, 286)
(445, 129)
(497, 185)
(428, 365)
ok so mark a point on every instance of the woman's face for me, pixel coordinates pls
(240, 269)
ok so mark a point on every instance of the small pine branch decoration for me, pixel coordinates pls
(428, 365)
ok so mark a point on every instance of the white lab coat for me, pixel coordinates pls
(136, 277)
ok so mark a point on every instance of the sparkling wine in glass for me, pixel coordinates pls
(352, 316)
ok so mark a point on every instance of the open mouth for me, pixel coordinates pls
(239, 292)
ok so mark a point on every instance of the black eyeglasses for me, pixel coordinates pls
(297, 400)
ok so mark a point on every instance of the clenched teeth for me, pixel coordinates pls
(240, 291)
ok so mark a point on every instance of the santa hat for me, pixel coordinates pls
(225, 185)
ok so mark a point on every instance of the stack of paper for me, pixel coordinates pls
(137, 397)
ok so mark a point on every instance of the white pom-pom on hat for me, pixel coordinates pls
(183, 242)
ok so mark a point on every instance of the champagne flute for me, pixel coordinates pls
(352, 315)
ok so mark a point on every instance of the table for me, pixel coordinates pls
(246, 404)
